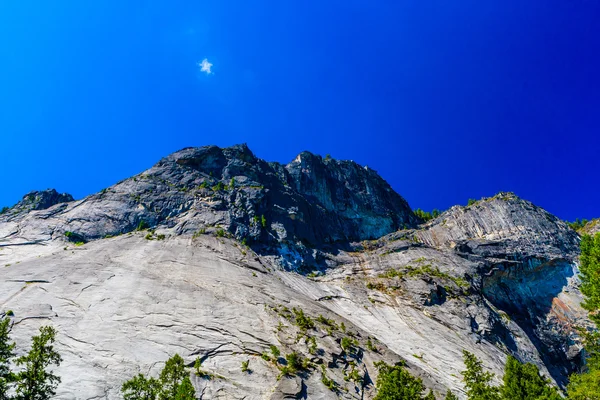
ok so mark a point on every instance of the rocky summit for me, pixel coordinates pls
(215, 253)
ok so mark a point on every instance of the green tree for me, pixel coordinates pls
(171, 377)
(589, 270)
(140, 388)
(586, 386)
(186, 390)
(477, 381)
(6, 353)
(450, 396)
(430, 396)
(524, 382)
(35, 382)
(395, 383)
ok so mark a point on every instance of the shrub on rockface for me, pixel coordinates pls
(396, 383)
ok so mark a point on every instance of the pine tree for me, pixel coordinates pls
(36, 382)
(6, 353)
(171, 376)
(586, 386)
(186, 390)
(589, 270)
(140, 388)
(395, 383)
(524, 382)
(478, 382)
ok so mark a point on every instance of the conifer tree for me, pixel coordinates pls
(395, 383)
(35, 382)
(6, 353)
(586, 386)
(140, 388)
(477, 381)
(171, 377)
(186, 390)
(523, 381)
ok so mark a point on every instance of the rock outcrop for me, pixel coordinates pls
(591, 228)
(37, 200)
(214, 253)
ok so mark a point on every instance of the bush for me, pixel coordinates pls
(427, 216)
(304, 322)
(275, 351)
(471, 202)
(220, 232)
(142, 226)
(245, 366)
(4, 210)
(395, 383)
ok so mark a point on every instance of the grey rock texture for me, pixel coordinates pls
(226, 261)
(36, 200)
(591, 228)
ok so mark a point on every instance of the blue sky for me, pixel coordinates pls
(446, 100)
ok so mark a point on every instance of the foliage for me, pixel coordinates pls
(171, 377)
(303, 321)
(312, 345)
(430, 396)
(35, 382)
(245, 366)
(263, 221)
(577, 224)
(200, 232)
(186, 390)
(450, 396)
(173, 384)
(220, 232)
(4, 210)
(329, 383)
(395, 383)
(140, 388)
(218, 187)
(142, 226)
(275, 351)
(6, 353)
(471, 202)
(523, 381)
(590, 275)
(295, 362)
(477, 381)
(371, 346)
(586, 386)
(346, 343)
(427, 216)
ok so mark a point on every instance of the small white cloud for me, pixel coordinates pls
(205, 66)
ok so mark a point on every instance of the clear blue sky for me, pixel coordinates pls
(448, 100)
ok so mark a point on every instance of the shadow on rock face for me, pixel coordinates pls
(528, 290)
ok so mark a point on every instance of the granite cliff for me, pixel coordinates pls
(214, 253)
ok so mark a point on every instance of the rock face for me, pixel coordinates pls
(37, 200)
(208, 253)
(591, 228)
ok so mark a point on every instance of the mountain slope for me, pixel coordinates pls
(225, 263)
